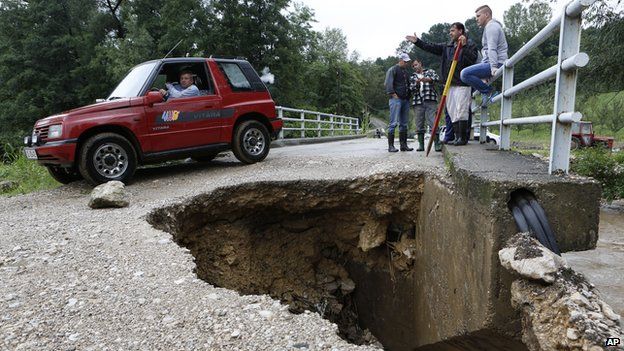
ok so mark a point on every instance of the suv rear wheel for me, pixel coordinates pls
(251, 142)
(64, 175)
(107, 156)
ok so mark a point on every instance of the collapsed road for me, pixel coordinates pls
(223, 256)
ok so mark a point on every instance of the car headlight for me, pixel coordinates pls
(55, 131)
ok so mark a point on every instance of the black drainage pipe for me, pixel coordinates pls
(531, 217)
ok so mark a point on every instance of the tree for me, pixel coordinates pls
(43, 45)
(522, 23)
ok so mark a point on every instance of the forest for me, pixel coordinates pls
(58, 55)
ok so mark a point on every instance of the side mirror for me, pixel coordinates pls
(153, 97)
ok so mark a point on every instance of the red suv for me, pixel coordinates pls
(135, 125)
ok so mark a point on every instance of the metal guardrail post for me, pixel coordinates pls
(483, 130)
(331, 124)
(302, 124)
(318, 125)
(280, 115)
(505, 131)
(565, 86)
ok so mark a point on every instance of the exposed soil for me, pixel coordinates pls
(295, 241)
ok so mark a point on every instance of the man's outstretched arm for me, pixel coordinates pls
(436, 49)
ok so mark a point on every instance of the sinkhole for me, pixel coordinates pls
(355, 251)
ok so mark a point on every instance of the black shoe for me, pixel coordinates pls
(403, 142)
(391, 147)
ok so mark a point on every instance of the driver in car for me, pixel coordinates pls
(185, 88)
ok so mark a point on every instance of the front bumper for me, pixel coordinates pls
(61, 153)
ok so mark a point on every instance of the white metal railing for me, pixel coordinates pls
(318, 123)
(568, 23)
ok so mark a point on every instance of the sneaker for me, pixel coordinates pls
(487, 98)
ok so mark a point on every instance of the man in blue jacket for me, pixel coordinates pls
(459, 97)
(494, 54)
(397, 88)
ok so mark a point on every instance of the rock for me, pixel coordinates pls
(301, 345)
(266, 314)
(8, 185)
(580, 300)
(608, 312)
(373, 234)
(527, 257)
(235, 334)
(108, 195)
(572, 334)
(347, 286)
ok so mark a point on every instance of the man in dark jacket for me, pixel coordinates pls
(459, 96)
(397, 88)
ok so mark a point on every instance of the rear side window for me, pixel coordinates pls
(235, 76)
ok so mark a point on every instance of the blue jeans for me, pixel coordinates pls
(472, 76)
(399, 111)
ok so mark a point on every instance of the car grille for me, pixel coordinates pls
(42, 134)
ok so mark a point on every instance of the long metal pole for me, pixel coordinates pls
(449, 79)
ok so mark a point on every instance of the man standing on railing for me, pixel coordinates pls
(424, 102)
(397, 80)
(458, 100)
(494, 55)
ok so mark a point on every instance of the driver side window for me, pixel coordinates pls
(170, 72)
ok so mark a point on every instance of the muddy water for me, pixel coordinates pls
(604, 266)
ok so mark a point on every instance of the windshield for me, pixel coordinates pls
(132, 84)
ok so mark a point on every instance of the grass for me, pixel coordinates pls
(28, 175)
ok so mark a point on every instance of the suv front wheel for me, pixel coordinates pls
(251, 142)
(64, 175)
(105, 157)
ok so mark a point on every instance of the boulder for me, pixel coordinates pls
(373, 234)
(527, 257)
(108, 195)
(564, 314)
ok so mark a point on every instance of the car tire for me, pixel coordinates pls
(575, 144)
(251, 142)
(64, 175)
(105, 157)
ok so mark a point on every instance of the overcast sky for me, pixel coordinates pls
(375, 28)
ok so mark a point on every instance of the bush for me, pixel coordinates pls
(28, 174)
(8, 153)
(605, 167)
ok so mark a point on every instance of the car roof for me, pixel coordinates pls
(194, 59)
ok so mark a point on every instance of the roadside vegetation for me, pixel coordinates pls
(606, 167)
(21, 175)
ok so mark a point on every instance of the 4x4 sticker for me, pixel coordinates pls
(181, 116)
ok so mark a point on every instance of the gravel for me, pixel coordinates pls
(73, 278)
